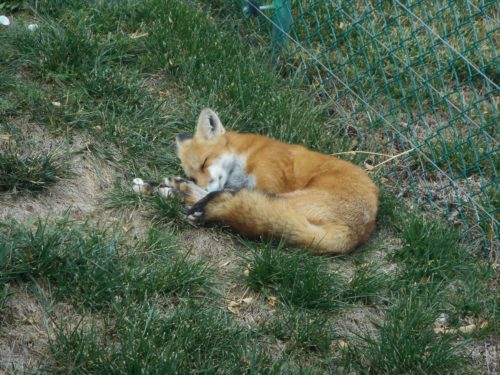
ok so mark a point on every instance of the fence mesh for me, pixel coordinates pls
(418, 79)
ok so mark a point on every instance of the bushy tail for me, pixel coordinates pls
(254, 213)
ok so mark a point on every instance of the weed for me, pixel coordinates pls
(366, 285)
(406, 343)
(302, 330)
(33, 172)
(297, 278)
(146, 339)
(94, 267)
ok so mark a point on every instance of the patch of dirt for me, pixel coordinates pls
(133, 222)
(486, 354)
(23, 339)
(359, 321)
(378, 255)
(24, 331)
(79, 196)
(210, 244)
(24, 324)
(374, 254)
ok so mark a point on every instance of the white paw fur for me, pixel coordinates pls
(165, 191)
(139, 186)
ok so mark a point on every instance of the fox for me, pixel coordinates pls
(261, 187)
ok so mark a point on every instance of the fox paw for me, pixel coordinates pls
(186, 190)
(178, 183)
(143, 187)
(196, 214)
(201, 210)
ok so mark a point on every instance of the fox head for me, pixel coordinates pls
(206, 157)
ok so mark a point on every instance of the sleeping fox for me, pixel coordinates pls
(262, 187)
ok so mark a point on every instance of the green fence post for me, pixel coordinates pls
(282, 24)
(281, 20)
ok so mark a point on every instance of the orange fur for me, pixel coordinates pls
(317, 201)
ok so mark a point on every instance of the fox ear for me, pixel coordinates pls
(209, 125)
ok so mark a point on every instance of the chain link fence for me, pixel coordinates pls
(414, 83)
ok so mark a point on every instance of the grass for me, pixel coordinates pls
(297, 279)
(149, 340)
(157, 208)
(366, 285)
(33, 172)
(127, 77)
(94, 268)
(406, 343)
(301, 280)
(302, 331)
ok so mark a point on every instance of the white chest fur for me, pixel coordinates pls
(229, 172)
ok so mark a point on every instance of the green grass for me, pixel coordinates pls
(146, 339)
(130, 75)
(295, 278)
(406, 343)
(299, 279)
(303, 331)
(94, 268)
(432, 249)
(33, 172)
(367, 285)
(156, 208)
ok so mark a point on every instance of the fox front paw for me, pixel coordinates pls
(167, 191)
(186, 190)
(143, 187)
(204, 209)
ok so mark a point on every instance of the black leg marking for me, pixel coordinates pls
(179, 180)
(197, 212)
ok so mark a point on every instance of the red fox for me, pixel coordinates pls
(262, 187)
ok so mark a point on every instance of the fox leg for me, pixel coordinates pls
(144, 187)
(186, 190)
